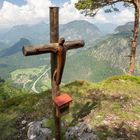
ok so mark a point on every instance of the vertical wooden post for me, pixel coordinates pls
(54, 38)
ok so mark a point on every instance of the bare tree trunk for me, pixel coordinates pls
(135, 38)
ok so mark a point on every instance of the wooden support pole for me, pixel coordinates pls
(54, 38)
(54, 34)
(57, 48)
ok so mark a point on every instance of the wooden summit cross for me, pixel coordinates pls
(57, 48)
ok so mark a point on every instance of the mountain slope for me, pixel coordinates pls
(80, 29)
(39, 33)
(79, 66)
(128, 27)
(94, 62)
(116, 48)
(15, 48)
(82, 66)
(106, 27)
(3, 46)
(110, 107)
(35, 33)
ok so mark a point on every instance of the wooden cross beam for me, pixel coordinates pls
(58, 49)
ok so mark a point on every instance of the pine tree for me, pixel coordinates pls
(91, 7)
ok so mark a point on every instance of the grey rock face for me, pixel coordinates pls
(36, 132)
(81, 132)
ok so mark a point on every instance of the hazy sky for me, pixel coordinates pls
(16, 12)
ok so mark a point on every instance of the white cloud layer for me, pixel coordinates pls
(124, 16)
(37, 10)
(33, 11)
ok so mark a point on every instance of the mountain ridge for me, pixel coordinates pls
(17, 47)
(39, 33)
(116, 47)
(97, 60)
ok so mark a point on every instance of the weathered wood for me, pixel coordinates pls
(40, 49)
(58, 49)
(74, 44)
(61, 56)
(54, 37)
(54, 34)
(51, 48)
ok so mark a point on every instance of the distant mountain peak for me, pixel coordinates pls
(83, 23)
(80, 29)
(128, 27)
(15, 48)
(79, 21)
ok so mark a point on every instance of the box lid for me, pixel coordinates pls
(62, 99)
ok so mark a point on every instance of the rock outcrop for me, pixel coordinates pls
(36, 132)
(81, 132)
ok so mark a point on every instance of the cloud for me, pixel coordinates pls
(33, 11)
(69, 13)
(74, 1)
(101, 17)
(38, 10)
(124, 16)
